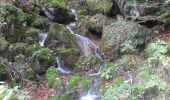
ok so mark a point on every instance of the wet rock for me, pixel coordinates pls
(56, 11)
(63, 44)
(42, 60)
(123, 37)
(58, 15)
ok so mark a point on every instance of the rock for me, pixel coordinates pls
(87, 63)
(42, 60)
(16, 49)
(123, 37)
(63, 44)
(69, 56)
(56, 11)
(58, 15)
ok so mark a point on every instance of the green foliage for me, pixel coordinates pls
(7, 93)
(108, 71)
(157, 48)
(55, 3)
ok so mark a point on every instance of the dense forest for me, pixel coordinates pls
(84, 49)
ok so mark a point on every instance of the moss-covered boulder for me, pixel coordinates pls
(91, 7)
(124, 37)
(63, 44)
(88, 63)
(16, 49)
(3, 45)
(57, 11)
(53, 79)
(79, 83)
(42, 60)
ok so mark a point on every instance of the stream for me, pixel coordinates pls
(88, 47)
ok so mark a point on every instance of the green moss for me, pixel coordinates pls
(55, 3)
(73, 81)
(39, 23)
(65, 97)
(44, 55)
(30, 49)
(3, 45)
(53, 79)
(93, 7)
(16, 49)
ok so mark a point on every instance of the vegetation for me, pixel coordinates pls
(128, 52)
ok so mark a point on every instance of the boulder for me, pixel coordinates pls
(42, 60)
(63, 44)
(123, 37)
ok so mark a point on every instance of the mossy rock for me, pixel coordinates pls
(30, 49)
(23, 34)
(53, 79)
(69, 55)
(3, 45)
(78, 81)
(55, 3)
(16, 49)
(87, 63)
(42, 60)
(124, 37)
(92, 7)
(63, 44)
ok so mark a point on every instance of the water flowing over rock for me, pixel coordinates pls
(42, 37)
(60, 67)
(87, 46)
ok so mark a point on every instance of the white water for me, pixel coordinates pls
(87, 46)
(42, 37)
(60, 67)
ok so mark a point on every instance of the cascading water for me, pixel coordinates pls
(60, 67)
(42, 37)
(88, 47)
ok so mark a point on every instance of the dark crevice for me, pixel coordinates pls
(96, 33)
(150, 23)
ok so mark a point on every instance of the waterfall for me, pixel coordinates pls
(87, 46)
(42, 37)
(60, 67)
